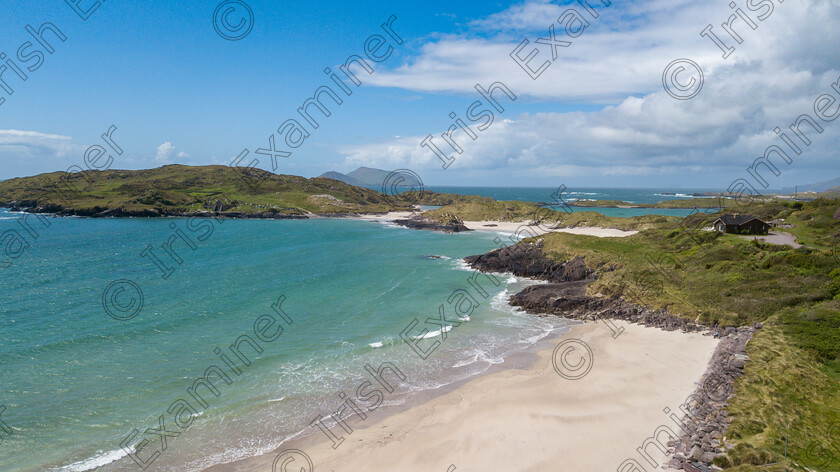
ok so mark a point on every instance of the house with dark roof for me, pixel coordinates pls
(740, 224)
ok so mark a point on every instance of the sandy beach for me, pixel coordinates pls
(511, 227)
(529, 419)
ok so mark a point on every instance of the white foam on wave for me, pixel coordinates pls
(460, 264)
(434, 334)
(377, 344)
(99, 460)
(479, 356)
(681, 195)
(511, 280)
(501, 299)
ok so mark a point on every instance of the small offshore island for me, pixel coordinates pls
(770, 393)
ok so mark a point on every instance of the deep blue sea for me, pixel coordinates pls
(101, 343)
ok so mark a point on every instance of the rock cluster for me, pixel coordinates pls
(419, 222)
(569, 300)
(528, 260)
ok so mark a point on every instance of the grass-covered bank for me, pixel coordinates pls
(787, 394)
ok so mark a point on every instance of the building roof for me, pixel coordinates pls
(737, 219)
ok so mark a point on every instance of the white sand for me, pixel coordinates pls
(531, 419)
(527, 230)
(390, 216)
(522, 229)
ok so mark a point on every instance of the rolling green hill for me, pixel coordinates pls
(187, 190)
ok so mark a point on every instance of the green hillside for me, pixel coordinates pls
(178, 189)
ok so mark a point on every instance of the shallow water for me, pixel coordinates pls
(77, 382)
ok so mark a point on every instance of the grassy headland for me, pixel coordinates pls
(184, 189)
(220, 190)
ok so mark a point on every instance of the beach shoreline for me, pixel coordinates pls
(507, 227)
(527, 417)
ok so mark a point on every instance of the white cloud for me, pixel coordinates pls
(164, 152)
(772, 78)
(32, 144)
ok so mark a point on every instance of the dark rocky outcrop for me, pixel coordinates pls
(528, 260)
(566, 295)
(571, 301)
(419, 222)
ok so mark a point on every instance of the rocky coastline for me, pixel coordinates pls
(104, 212)
(701, 442)
(420, 222)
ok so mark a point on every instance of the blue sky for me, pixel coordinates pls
(180, 93)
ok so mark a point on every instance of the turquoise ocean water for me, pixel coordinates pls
(544, 195)
(77, 382)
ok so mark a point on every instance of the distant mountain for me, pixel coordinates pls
(817, 187)
(833, 192)
(368, 177)
(343, 178)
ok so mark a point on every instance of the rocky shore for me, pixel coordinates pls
(566, 294)
(104, 212)
(701, 441)
(420, 222)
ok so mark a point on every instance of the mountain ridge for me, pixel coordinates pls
(372, 177)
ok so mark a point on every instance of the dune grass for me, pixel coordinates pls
(785, 396)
